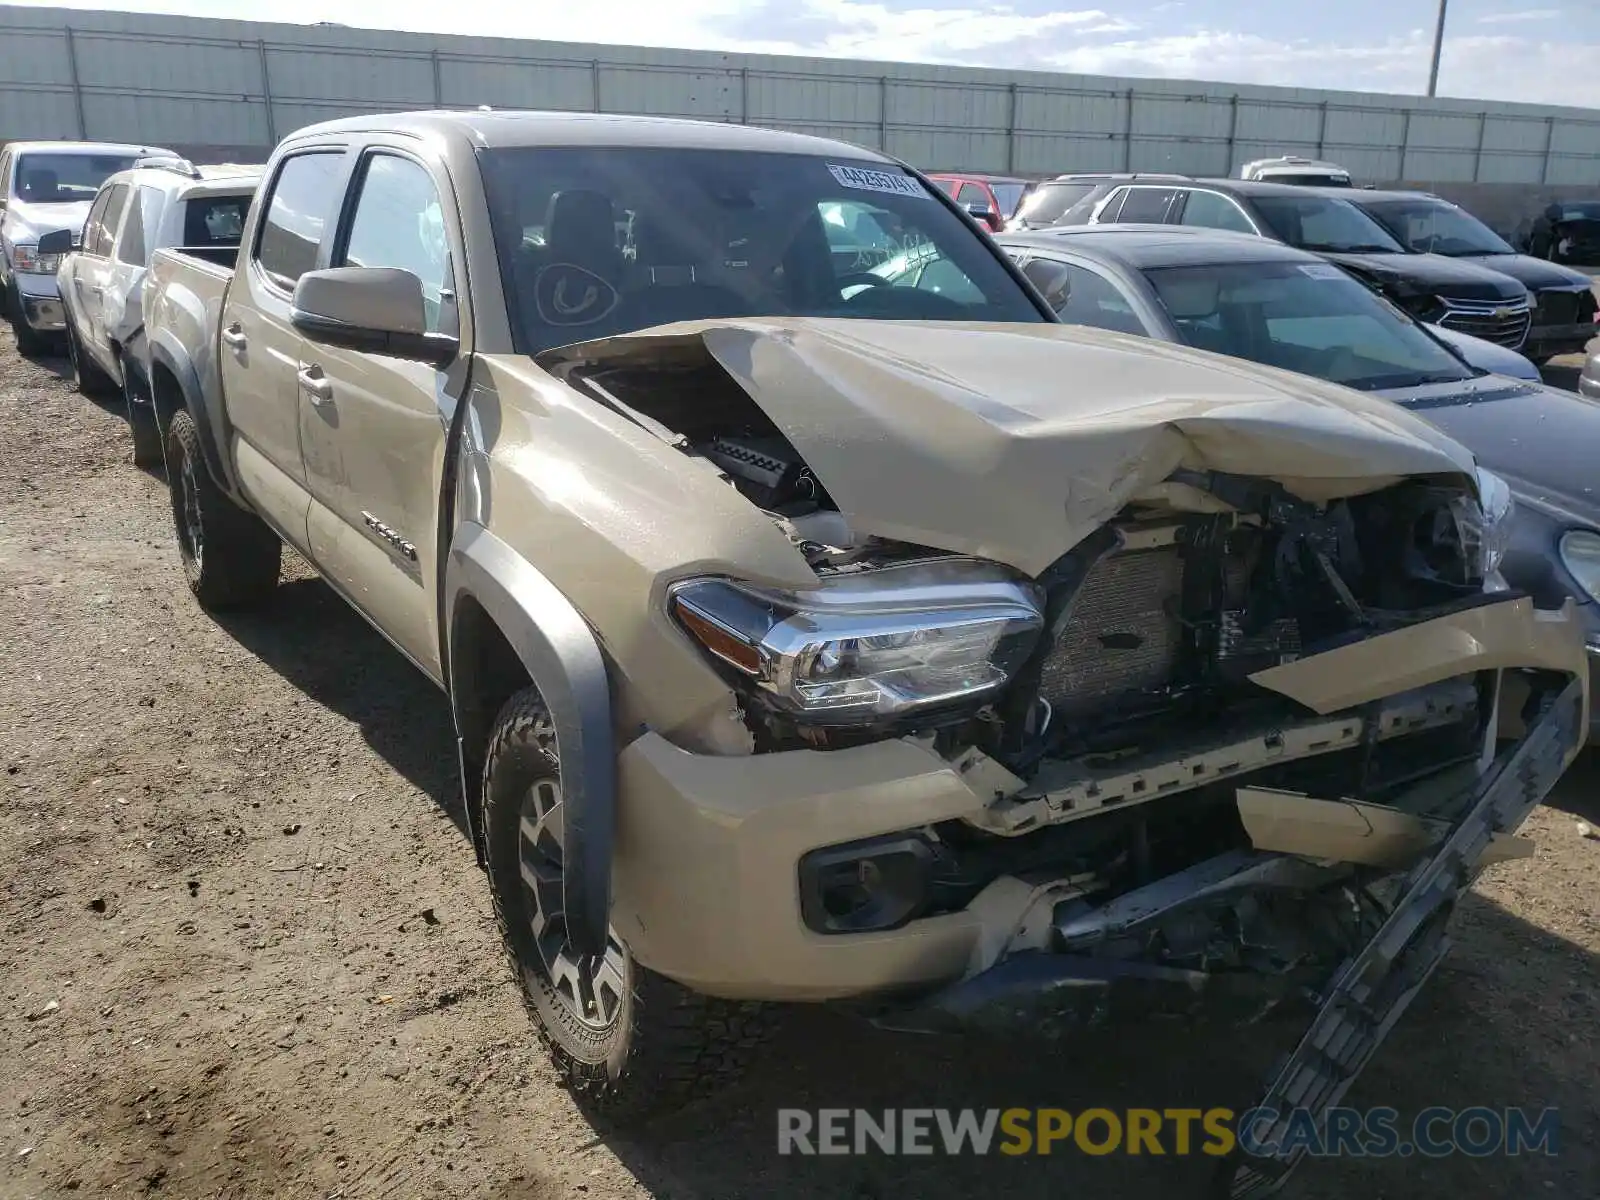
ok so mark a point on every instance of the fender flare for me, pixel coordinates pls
(169, 353)
(564, 661)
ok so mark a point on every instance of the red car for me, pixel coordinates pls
(992, 199)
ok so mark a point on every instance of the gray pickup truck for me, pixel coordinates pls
(816, 638)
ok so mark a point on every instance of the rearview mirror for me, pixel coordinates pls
(57, 241)
(379, 310)
(1052, 279)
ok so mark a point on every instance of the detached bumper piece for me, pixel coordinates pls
(1368, 994)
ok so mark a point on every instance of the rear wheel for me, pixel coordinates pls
(628, 1042)
(230, 557)
(147, 442)
(91, 380)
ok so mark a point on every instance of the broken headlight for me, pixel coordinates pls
(871, 644)
(1485, 527)
(1580, 554)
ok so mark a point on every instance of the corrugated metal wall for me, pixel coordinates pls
(239, 86)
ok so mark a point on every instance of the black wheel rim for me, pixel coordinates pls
(191, 532)
(590, 986)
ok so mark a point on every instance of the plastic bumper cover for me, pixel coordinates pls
(705, 882)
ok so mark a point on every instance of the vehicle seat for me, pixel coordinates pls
(41, 186)
(672, 281)
(580, 228)
(572, 280)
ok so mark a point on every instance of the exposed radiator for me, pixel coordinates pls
(1120, 635)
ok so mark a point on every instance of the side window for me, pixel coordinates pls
(971, 193)
(130, 247)
(1095, 301)
(949, 186)
(858, 234)
(291, 234)
(1214, 211)
(106, 228)
(92, 222)
(399, 222)
(1144, 205)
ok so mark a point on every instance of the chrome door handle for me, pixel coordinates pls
(317, 386)
(234, 336)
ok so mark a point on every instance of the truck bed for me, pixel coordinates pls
(183, 296)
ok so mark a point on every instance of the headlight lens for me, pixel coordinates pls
(29, 261)
(1580, 554)
(1485, 527)
(870, 644)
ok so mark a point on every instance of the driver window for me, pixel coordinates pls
(1211, 211)
(399, 222)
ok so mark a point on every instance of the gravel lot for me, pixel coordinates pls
(246, 952)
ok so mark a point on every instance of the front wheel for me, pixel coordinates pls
(627, 1041)
(230, 557)
(91, 380)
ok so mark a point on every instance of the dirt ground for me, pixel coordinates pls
(246, 952)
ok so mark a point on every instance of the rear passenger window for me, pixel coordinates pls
(1145, 205)
(399, 222)
(130, 249)
(301, 199)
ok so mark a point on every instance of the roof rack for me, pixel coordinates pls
(167, 162)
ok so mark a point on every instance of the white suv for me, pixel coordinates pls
(161, 203)
(47, 186)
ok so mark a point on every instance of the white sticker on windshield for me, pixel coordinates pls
(1322, 271)
(864, 180)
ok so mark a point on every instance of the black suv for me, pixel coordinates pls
(1441, 291)
(1563, 299)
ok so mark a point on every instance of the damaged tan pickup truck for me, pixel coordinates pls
(812, 637)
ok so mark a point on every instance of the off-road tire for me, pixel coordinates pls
(666, 1044)
(149, 450)
(235, 564)
(91, 380)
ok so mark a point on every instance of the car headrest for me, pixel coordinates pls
(581, 226)
(41, 184)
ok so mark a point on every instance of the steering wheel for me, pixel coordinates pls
(863, 278)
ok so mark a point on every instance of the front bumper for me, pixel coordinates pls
(705, 882)
(1547, 341)
(39, 300)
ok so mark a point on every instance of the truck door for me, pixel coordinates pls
(373, 428)
(259, 349)
(94, 265)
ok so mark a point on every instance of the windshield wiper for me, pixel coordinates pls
(1328, 248)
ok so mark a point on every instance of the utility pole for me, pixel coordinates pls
(1438, 45)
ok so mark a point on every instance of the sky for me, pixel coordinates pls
(1538, 51)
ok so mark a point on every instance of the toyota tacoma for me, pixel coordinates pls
(815, 638)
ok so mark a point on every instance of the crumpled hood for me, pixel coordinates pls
(27, 222)
(1436, 273)
(1015, 442)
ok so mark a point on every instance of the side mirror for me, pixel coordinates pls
(376, 309)
(982, 212)
(1052, 279)
(57, 241)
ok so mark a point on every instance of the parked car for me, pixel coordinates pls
(1589, 380)
(1292, 169)
(1441, 291)
(1566, 231)
(797, 626)
(1255, 299)
(992, 199)
(46, 186)
(1563, 299)
(1048, 202)
(137, 212)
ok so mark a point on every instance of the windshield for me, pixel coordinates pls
(63, 178)
(1048, 201)
(1305, 317)
(600, 241)
(1009, 195)
(1434, 227)
(1320, 223)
